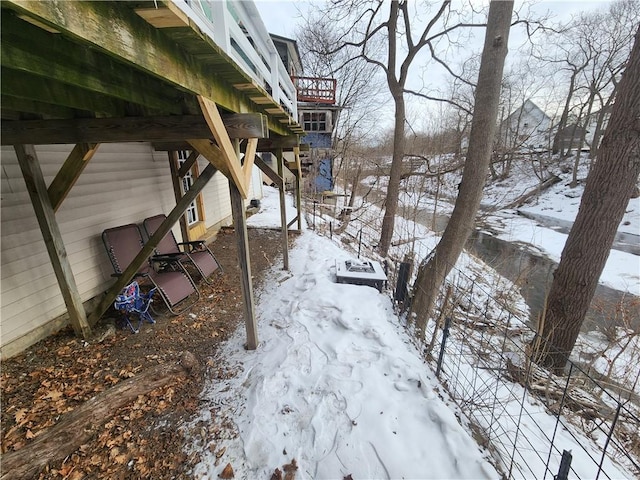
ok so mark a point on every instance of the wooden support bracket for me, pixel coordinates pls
(269, 172)
(70, 172)
(229, 157)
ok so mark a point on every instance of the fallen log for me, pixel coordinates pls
(535, 191)
(80, 425)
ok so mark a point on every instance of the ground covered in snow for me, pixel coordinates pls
(336, 385)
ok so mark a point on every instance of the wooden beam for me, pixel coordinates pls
(248, 160)
(114, 28)
(37, 189)
(273, 144)
(177, 189)
(127, 129)
(69, 173)
(13, 104)
(242, 239)
(30, 88)
(148, 247)
(269, 172)
(56, 58)
(212, 153)
(186, 166)
(245, 125)
(283, 212)
(167, 16)
(214, 120)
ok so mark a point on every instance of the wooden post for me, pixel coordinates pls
(299, 200)
(296, 152)
(283, 211)
(37, 188)
(242, 239)
(177, 191)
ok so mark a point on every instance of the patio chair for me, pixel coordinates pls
(195, 252)
(167, 274)
(132, 301)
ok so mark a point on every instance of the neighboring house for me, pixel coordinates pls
(528, 128)
(569, 136)
(134, 119)
(592, 129)
(317, 113)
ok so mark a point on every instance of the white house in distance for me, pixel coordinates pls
(528, 128)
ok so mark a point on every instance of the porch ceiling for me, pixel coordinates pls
(76, 61)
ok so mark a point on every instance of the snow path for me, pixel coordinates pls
(336, 384)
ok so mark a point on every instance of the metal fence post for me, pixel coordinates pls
(400, 294)
(314, 213)
(565, 466)
(445, 334)
(606, 444)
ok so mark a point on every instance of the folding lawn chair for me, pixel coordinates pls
(195, 252)
(132, 301)
(167, 274)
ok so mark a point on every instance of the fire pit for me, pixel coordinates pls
(361, 272)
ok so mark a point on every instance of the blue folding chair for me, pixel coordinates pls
(132, 301)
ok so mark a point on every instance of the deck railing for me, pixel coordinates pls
(238, 29)
(316, 90)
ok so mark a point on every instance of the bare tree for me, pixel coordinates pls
(388, 40)
(432, 274)
(610, 184)
(593, 49)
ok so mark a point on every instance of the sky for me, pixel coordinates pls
(284, 18)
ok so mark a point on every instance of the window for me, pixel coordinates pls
(314, 121)
(187, 181)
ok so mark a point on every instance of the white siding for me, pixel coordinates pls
(123, 183)
(255, 190)
(217, 204)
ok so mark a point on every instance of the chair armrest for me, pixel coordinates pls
(169, 257)
(194, 245)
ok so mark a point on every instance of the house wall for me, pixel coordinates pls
(123, 183)
(526, 128)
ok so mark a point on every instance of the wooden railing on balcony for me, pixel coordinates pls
(316, 90)
(238, 29)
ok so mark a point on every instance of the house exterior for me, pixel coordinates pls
(526, 129)
(317, 113)
(96, 135)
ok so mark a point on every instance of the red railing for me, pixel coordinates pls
(317, 90)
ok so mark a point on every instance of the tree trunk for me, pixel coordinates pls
(483, 129)
(78, 426)
(346, 213)
(609, 186)
(391, 201)
(595, 142)
(583, 136)
(558, 140)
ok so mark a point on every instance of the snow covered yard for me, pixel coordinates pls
(337, 385)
